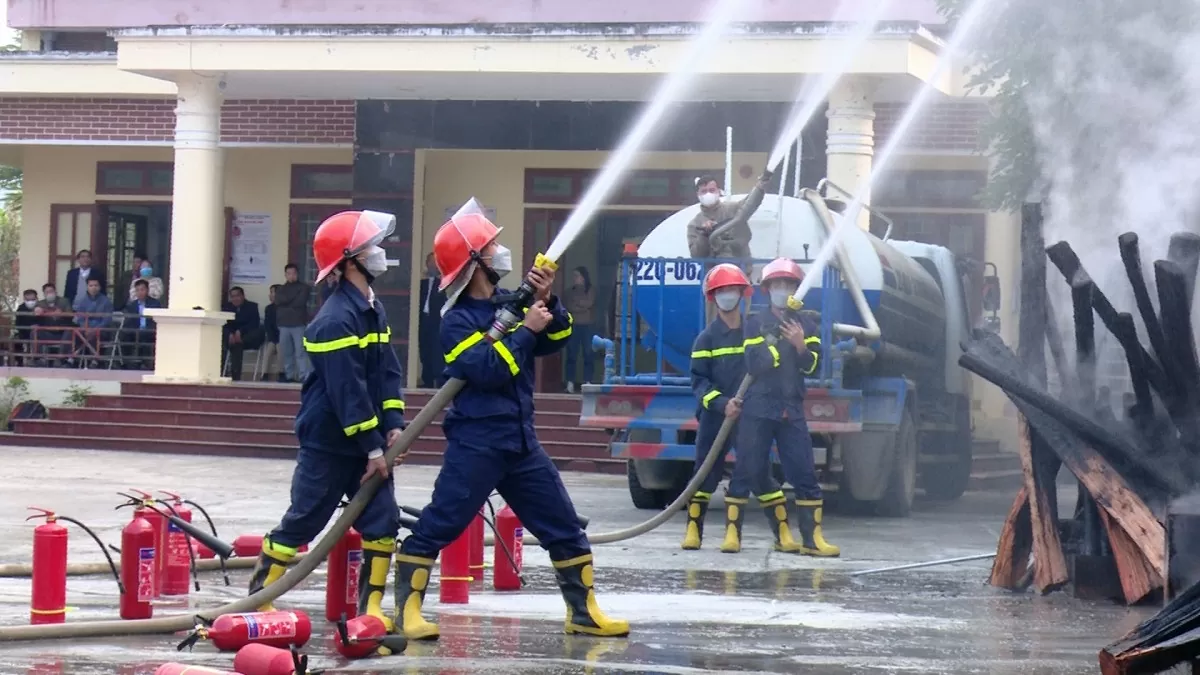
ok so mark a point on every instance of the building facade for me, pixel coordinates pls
(206, 135)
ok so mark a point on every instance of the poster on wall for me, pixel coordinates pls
(251, 259)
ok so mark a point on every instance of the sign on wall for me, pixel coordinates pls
(251, 257)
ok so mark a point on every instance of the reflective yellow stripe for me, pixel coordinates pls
(502, 349)
(348, 342)
(812, 341)
(816, 357)
(572, 562)
(393, 404)
(766, 499)
(385, 545)
(701, 496)
(362, 426)
(566, 332)
(723, 351)
(467, 342)
(708, 398)
(774, 354)
(702, 355)
(278, 551)
(753, 341)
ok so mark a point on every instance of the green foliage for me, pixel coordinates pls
(75, 395)
(10, 188)
(10, 250)
(13, 391)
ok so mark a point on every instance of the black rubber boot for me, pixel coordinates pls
(271, 565)
(412, 581)
(583, 612)
(696, 510)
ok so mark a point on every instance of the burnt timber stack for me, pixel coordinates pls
(1138, 467)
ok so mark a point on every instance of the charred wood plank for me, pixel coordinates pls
(1132, 260)
(1138, 577)
(1009, 567)
(1158, 643)
(1049, 564)
(1184, 250)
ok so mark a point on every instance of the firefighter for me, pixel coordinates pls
(718, 367)
(734, 241)
(782, 347)
(351, 409)
(489, 430)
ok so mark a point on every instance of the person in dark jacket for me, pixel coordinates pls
(491, 443)
(351, 409)
(429, 326)
(782, 348)
(24, 323)
(78, 277)
(242, 332)
(718, 368)
(291, 302)
(270, 346)
(138, 331)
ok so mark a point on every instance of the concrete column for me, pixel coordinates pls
(189, 340)
(851, 138)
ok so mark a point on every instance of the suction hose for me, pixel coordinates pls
(297, 573)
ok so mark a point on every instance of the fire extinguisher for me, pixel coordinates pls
(454, 587)
(507, 551)
(185, 669)
(362, 636)
(139, 567)
(476, 537)
(260, 659)
(144, 507)
(230, 632)
(341, 582)
(180, 558)
(48, 600)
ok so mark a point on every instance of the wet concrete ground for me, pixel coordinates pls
(691, 612)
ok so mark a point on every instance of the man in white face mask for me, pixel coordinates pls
(732, 243)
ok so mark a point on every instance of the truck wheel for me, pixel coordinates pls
(947, 481)
(902, 483)
(642, 497)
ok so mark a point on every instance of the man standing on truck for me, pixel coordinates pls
(718, 368)
(781, 349)
(730, 217)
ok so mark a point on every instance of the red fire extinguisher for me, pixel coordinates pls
(260, 659)
(341, 583)
(476, 535)
(144, 507)
(507, 551)
(362, 636)
(139, 567)
(48, 600)
(455, 584)
(179, 555)
(185, 669)
(230, 632)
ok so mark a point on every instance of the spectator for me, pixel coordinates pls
(429, 325)
(125, 284)
(291, 304)
(78, 277)
(243, 332)
(53, 321)
(271, 344)
(580, 301)
(25, 321)
(93, 313)
(138, 331)
(146, 273)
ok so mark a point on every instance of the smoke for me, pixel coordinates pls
(1117, 128)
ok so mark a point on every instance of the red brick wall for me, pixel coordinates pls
(153, 120)
(945, 126)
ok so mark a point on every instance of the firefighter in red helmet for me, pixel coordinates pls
(718, 368)
(782, 347)
(351, 409)
(491, 443)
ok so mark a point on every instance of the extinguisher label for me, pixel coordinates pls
(353, 568)
(519, 547)
(177, 552)
(271, 625)
(145, 578)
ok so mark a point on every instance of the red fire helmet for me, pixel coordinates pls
(344, 235)
(460, 239)
(723, 276)
(782, 268)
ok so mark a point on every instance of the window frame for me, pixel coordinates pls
(299, 190)
(145, 188)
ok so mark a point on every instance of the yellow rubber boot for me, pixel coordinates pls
(775, 507)
(735, 510)
(696, 510)
(271, 565)
(412, 580)
(813, 541)
(372, 578)
(583, 612)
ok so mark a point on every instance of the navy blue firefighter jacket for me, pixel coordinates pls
(778, 368)
(353, 395)
(718, 365)
(495, 408)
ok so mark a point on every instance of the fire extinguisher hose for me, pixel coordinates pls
(111, 565)
(316, 555)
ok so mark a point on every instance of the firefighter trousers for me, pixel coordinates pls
(319, 483)
(526, 479)
(706, 434)
(794, 445)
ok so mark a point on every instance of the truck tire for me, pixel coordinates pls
(902, 482)
(947, 481)
(642, 497)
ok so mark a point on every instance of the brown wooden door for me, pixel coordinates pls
(541, 226)
(72, 227)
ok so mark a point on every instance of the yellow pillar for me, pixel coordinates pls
(851, 139)
(189, 330)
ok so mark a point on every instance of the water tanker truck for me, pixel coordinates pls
(889, 408)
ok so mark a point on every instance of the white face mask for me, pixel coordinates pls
(779, 298)
(501, 262)
(51, 297)
(728, 299)
(709, 199)
(375, 261)
(30, 303)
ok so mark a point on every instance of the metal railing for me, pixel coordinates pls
(107, 341)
